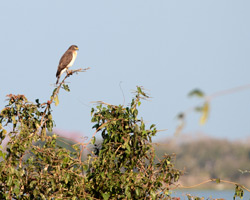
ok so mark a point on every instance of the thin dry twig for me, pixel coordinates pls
(70, 72)
(101, 102)
(212, 180)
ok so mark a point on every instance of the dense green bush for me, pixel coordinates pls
(29, 170)
(124, 166)
(33, 166)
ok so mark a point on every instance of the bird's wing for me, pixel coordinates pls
(64, 61)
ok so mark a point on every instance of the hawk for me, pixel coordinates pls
(66, 61)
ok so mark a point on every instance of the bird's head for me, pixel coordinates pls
(74, 47)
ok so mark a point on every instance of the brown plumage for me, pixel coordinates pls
(66, 61)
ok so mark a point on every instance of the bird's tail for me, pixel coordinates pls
(58, 77)
(57, 73)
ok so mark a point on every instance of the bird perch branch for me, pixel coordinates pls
(56, 91)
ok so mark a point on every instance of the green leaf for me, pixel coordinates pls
(9, 180)
(92, 111)
(105, 196)
(66, 87)
(135, 112)
(93, 140)
(56, 100)
(13, 119)
(152, 194)
(17, 187)
(66, 160)
(137, 191)
(49, 125)
(205, 113)
(67, 178)
(181, 116)
(139, 89)
(197, 93)
(49, 116)
(85, 167)
(35, 192)
(239, 192)
(43, 133)
(4, 132)
(152, 126)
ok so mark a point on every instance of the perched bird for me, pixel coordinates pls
(66, 61)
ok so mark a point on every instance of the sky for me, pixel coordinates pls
(168, 47)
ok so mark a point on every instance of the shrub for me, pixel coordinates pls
(33, 166)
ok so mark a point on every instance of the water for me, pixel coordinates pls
(209, 194)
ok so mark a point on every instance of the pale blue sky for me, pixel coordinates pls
(169, 47)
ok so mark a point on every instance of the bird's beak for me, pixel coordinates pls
(77, 48)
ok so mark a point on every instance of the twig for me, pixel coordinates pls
(101, 102)
(229, 91)
(70, 72)
(122, 92)
(213, 180)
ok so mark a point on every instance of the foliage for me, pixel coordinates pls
(33, 166)
(28, 170)
(239, 192)
(124, 164)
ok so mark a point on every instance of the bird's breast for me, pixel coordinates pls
(73, 59)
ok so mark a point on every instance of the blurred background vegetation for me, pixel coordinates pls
(204, 158)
